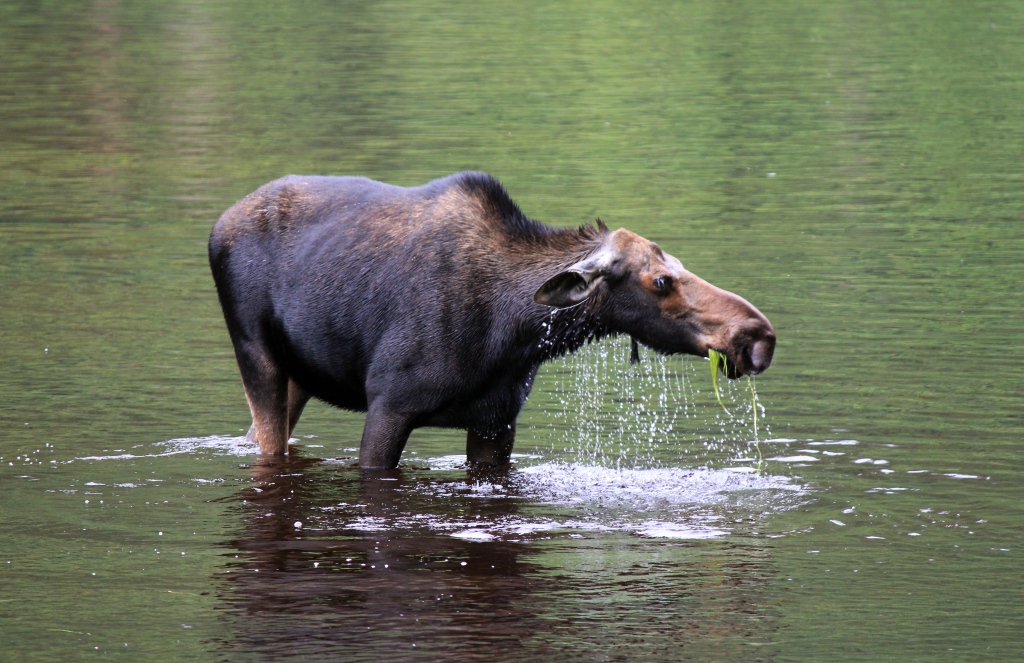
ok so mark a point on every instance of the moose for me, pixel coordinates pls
(436, 305)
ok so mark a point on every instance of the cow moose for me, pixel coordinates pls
(435, 306)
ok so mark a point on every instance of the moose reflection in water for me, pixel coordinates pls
(360, 574)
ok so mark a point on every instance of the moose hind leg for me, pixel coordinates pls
(297, 399)
(266, 389)
(490, 448)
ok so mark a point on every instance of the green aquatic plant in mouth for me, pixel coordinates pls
(718, 363)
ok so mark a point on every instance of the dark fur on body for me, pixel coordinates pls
(418, 305)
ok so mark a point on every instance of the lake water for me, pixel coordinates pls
(854, 169)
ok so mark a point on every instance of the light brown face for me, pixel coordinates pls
(650, 295)
(714, 318)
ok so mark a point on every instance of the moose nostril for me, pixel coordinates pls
(761, 355)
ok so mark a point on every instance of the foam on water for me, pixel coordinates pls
(659, 530)
(474, 535)
(571, 484)
(521, 528)
(223, 445)
(552, 499)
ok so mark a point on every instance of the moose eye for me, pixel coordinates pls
(662, 283)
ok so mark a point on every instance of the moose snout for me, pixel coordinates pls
(753, 345)
(758, 355)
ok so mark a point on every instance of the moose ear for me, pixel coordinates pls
(578, 282)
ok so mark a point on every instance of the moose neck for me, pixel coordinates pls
(566, 330)
(549, 333)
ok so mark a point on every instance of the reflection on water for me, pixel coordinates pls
(334, 560)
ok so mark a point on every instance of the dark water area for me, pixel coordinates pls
(853, 169)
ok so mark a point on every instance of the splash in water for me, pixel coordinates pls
(609, 411)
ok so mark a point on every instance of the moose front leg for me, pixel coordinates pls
(384, 438)
(491, 448)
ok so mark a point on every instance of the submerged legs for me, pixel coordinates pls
(490, 448)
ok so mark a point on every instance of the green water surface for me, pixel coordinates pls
(854, 169)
